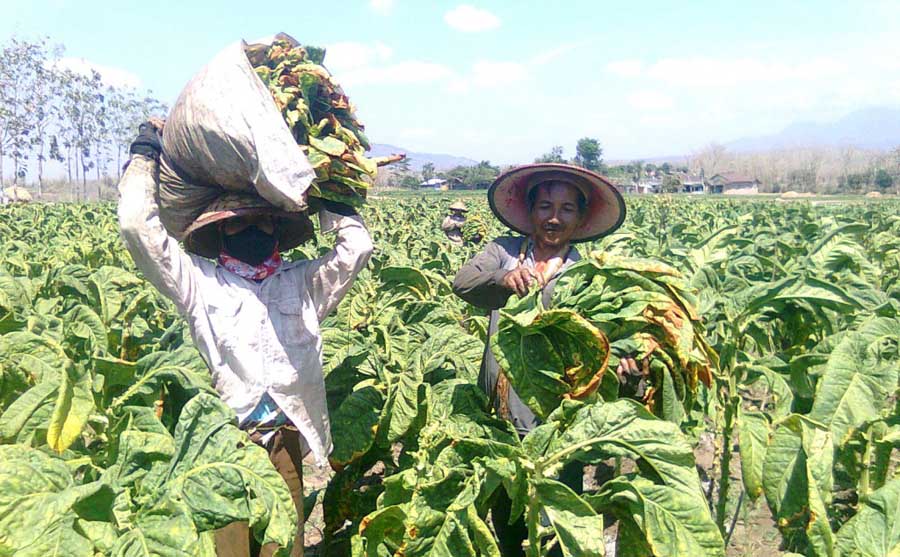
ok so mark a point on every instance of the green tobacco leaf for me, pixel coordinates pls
(28, 413)
(84, 326)
(406, 401)
(37, 496)
(662, 518)
(219, 476)
(140, 453)
(875, 530)
(797, 480)
(354, 425)
(440, 523)
(753, 436)
(39, 357)
(329, 145)
(550, 355)
(382, 526)
(578, 528)
(858, 379)
(623, 429)
(159, 536)
(811, 290)
(74, 404)
(181, 369)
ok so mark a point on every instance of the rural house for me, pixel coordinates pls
(435, 184)
(691, 183)
(733, 184)
(648, 185)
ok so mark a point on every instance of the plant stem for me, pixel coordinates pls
(725, 468)
(534, 515)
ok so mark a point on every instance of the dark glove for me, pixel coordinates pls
(338, 208)
(147, 143)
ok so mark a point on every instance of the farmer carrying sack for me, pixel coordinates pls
(225, 133)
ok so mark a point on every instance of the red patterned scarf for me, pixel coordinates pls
(258, 272)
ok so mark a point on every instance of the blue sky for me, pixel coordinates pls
(506, 80)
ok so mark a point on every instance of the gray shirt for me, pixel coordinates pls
(480, 282)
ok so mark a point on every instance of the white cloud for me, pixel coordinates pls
(625, 68)
(382, 7)
(117, 77)
(401, 73)
(350, 56)
(649, 99)
(470, 19)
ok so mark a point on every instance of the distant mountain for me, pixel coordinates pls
(417, 160)
(870, 128)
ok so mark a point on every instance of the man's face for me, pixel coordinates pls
(555, 215)
(265, 223)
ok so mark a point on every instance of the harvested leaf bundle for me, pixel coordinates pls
(645, 309)
(549, 355)
(474, 230)
(321, 119)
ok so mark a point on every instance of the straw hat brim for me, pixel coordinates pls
(508, 198)
(203, 237)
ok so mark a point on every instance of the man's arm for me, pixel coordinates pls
(480, 280)
(450, 224)
(155, 253)
(330, 277)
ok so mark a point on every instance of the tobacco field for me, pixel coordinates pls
(770, 329)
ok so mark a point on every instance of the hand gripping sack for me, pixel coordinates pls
(226, 133)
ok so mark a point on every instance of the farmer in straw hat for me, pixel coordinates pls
(254, 318)
(553, 206)
(453, 223)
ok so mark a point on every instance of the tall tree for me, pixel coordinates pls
(588, 153)
(21, 63)
(710, 160)
(883, 180)
(47, 113)
(123, 107)
(427, 171)
(84, 112)
(555, 155)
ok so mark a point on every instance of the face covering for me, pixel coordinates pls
(251, 245)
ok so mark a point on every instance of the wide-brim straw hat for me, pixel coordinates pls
(204, 238)
(508, 197)
(459, 206)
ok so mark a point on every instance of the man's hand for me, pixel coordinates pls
(148, 142)
(519, 280)
(632, 380)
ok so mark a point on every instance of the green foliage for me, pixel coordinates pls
(555, 155)
(883, 180)
(589, 154)
(114, 443)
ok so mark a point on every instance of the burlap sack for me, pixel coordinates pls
(226, 133)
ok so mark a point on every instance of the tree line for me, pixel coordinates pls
(830, 170)
(52, 113)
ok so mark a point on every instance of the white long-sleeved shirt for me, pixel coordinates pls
(256, 337)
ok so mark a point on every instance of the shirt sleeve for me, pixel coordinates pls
(480, 280)
(330, 277)
(156, 254)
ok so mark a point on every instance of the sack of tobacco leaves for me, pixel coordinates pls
(263, 120)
